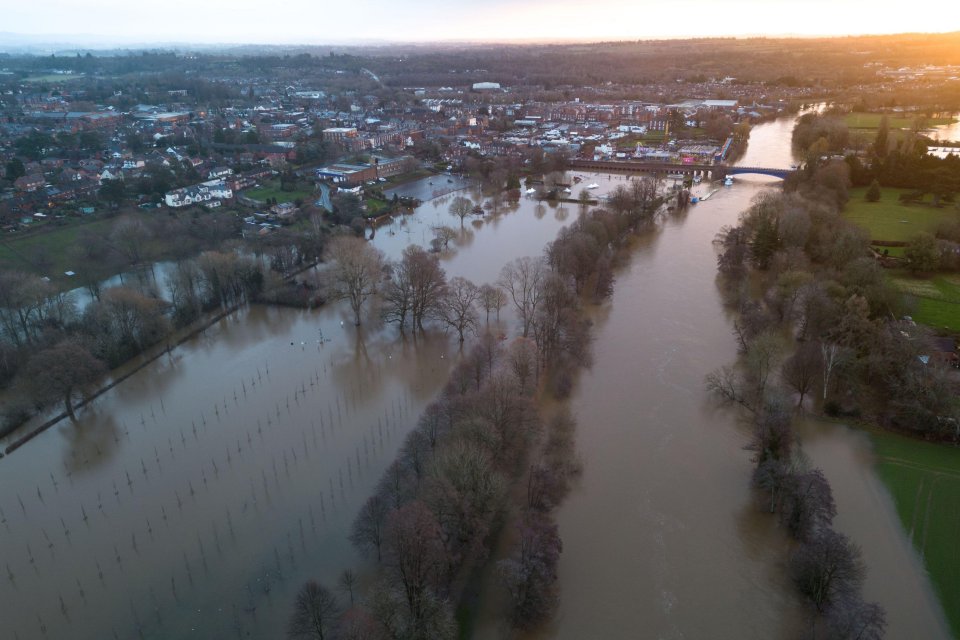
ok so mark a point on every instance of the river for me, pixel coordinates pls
(661, 538)
(194, 498)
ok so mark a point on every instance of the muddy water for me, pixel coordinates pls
(194, 498)
(662, 540)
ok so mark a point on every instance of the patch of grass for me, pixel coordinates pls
(941, 314)
(893, 252)
(47, 250)
(54, 77)
(859, 120)
(924, 480)
(890, 220)
(936, 300)
(272, 189)
(376, 206)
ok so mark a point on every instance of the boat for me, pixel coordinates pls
(593, 185)
(704, 198)
(694, 199)
(567, 190)
(697, 179)
(530, 192)
(728, 181)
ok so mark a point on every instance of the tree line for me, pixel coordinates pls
(847, 354)
(51, 347)
(439, 507)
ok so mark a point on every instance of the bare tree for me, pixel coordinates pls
(55, 373)
(801, 369)
(808, 505)
(355, 273)
(833, 356)
(347, 583)
(315, 613)
(530, 573)
(414, 556)
(457, 307)
(427, 280)
(461, 207)
(492, 299)
(827, 568)
(397, 295)
(522, 357)
(368, 528)
(22, 298)
(442, 235)
(853, 619)
(523, 280)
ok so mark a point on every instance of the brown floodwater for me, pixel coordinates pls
(194, 498)
(662, 538)
(191, 500)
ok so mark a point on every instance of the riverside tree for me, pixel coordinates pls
(315, 613)
(523, 280)
(55, 373)
(355, 271)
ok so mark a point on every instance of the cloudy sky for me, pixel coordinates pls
(319, 21)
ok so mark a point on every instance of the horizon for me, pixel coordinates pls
(12, 43)
(113, 23)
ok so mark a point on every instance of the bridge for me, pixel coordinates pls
(716, 171)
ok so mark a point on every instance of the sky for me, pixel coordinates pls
(326, 21)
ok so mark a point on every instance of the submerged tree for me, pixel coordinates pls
(355, 271)
(58, 371)
(461, 207)
(827, 569)
(315, 613)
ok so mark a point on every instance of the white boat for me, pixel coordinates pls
(728, 181)
(593, 185)
(567, 190)
(697, 179)
(530, 192)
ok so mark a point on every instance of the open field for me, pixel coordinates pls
(859, 120)
(890, 220)
(55, 77)
(924, 480)
(272, 189)
(936, 300)
(47, 251)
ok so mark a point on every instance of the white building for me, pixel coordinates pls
(214, 190)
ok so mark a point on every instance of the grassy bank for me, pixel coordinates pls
(924, 480)
(890, 220)
(860, 120)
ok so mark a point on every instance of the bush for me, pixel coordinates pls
(873, 192)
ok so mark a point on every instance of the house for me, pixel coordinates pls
(29, 183)
(219, 172)
(205, 192)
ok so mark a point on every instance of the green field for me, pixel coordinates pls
(55, 77)
(272, 190)
(924, 480)
(47, 251)
(872, 121)
(890, 220)
(936, 300)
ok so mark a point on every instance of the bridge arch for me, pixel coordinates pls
(763, 171)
